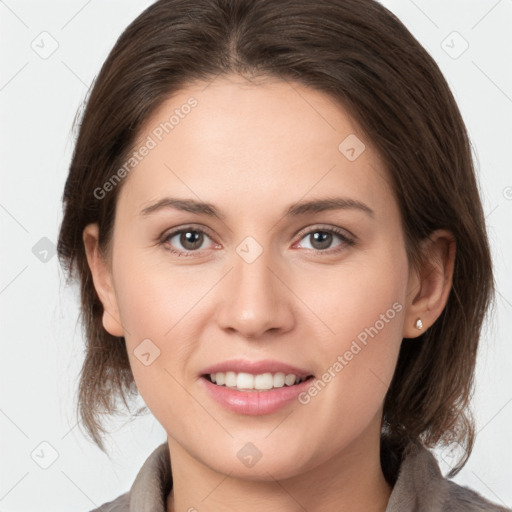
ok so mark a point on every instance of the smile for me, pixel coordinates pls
(244, 381)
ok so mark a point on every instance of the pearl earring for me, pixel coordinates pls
(419, 324)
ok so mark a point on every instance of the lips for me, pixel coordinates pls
(255, 402)
(256, 368)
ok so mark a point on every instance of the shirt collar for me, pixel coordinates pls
(413, 480)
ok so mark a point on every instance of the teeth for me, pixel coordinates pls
(262, 381)
(230, 379)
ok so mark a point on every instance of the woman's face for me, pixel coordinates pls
(321, 290)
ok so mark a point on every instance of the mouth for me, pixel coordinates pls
(248, 382)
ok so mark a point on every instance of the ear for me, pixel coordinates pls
(103, 282)
(429, 286)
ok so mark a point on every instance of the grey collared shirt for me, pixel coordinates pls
(419, 486)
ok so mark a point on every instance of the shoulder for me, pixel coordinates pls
(120, 504)
(458, 497)
(421, 487)
(150, 487)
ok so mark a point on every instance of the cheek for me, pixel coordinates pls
(362, 314)
(154, 298)
(158, 310)
(362, 299)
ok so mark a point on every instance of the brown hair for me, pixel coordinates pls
(361, 55)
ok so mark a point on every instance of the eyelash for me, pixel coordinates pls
(331, 230)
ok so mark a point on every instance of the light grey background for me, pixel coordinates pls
(41, 341)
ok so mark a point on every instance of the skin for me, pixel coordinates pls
(252, 150)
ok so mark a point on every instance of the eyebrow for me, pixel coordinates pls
(295, 210)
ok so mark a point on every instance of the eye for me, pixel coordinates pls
(190, 238)
(321, 239)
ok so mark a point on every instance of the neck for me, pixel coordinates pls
(352, 481)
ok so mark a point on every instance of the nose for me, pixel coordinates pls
(256, 299)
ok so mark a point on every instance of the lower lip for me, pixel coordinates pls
(254, 402)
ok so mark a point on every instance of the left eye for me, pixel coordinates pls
(323, 238)
(192, 240)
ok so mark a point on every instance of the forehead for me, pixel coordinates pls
(245, 144)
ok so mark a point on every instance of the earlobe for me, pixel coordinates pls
(103, 282)
(430, 285)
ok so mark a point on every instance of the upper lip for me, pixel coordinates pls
(256, 367)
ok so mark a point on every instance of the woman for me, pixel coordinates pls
(274, 218)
